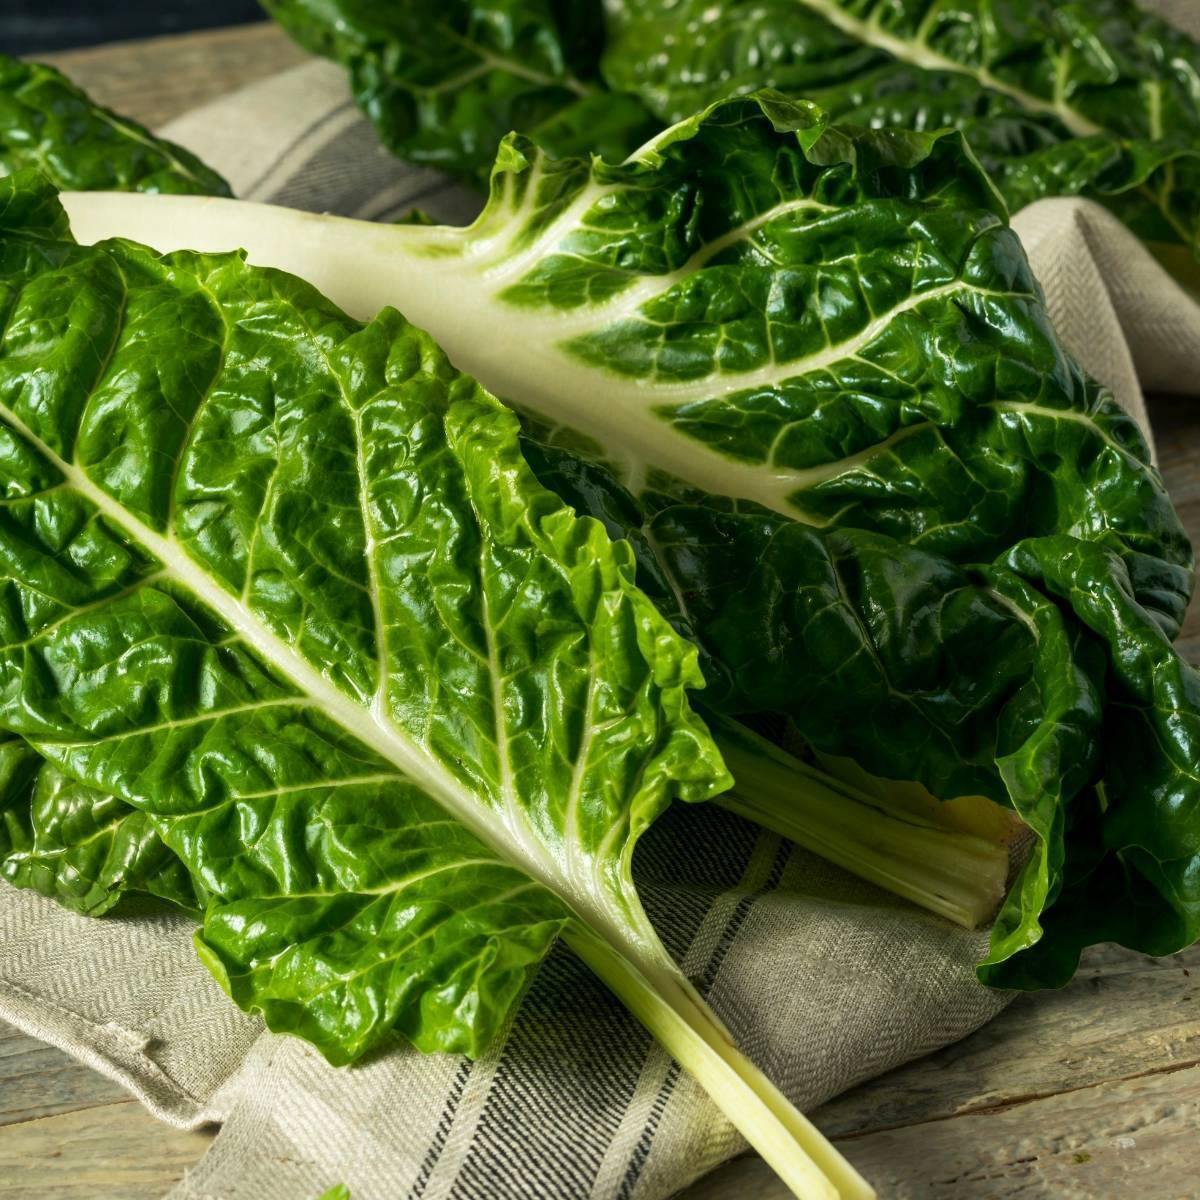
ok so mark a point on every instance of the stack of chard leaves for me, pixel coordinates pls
(1096, 98)
(304, 632)
(805, 370)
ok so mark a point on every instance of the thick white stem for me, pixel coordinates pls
(957, 875)
(660, 997)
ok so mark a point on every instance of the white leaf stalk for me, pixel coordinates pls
(959, 875)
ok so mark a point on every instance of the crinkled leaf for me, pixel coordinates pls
(1132, 869)
(834, 323)
(805, 370)
(1098, 99)
(284, 584)
(444, 82)
(76, 845)
(49, 123)
(1057, 99)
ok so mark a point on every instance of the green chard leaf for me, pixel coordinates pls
(81, 847)
(49, 123)
(297, 596)
(444, 82)
(284, 584)
(805, 370)
(1099, 99)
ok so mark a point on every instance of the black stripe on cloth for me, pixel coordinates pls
(442, 1132)
(641, 1152)
(567, 1073)
(738, 917)
(572, 1062)
(306, 132)
(678, 889)
(402, 207)
(352, 174)
(741, 910)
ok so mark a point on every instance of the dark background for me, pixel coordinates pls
(34, 26)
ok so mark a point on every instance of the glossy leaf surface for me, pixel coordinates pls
(49, 123)
(805, 370)
(833, 323)
(1057, 99)
(444, 82)
(1062, 698)
(1097, 99)
(284, 584)
(81, 847)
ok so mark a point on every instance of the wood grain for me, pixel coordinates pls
(1122, 1138)
(113, 1152)
(37, 1080)
(1078, 1093)
(1090, 1093)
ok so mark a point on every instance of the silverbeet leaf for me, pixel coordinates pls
(284, 584)
(1096, 99)
(1099, 99)
(48, 123)
(1039, 682)
(805, 370)
(83, 848)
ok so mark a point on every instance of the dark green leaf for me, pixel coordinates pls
(444, 82)
(49, 123)
(1098, 99)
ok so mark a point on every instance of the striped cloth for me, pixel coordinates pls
(823, 979)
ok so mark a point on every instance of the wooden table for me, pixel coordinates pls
(1084, 1094)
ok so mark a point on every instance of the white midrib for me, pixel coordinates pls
(644, 288)
(920, 55)
(365, 268)
(615, 410)
(490, 61)
(1064, 414)
(370, 556)
(367, 725)
(491, 255)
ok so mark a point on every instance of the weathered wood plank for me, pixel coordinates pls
(37, 1080)
(1124, 1015)
(155, 79)
(114, 1152)
(1116, 1139)
(1135, 1137)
